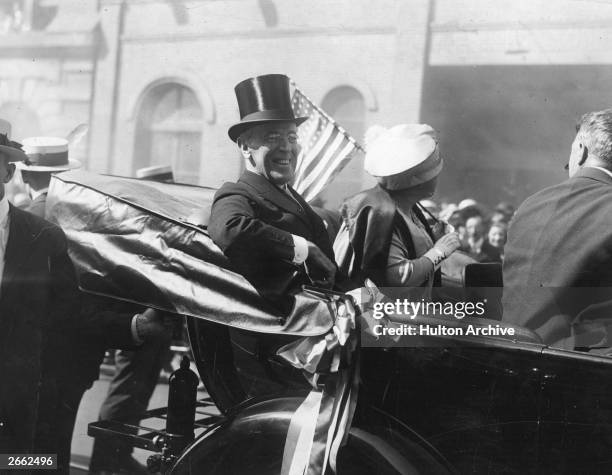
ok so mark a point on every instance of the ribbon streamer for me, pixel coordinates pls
(321, 424)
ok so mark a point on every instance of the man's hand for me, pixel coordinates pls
(321, 270)
(448, 244)
(153, 325)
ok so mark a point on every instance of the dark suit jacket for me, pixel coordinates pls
(38, 292)
(252, 222)
(101, 323)
(558, 258)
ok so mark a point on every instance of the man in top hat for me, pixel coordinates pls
(558, 259)
(270, 234)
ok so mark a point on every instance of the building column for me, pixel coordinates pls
(411, 53)
(106, 86)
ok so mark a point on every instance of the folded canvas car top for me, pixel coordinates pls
(132, 240)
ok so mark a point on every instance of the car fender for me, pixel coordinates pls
(251, 441)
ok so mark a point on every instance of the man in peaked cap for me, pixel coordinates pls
(270, 234)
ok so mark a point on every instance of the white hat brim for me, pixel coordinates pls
(72, 164)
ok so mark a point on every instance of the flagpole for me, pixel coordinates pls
(324, 114)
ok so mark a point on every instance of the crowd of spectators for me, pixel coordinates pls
(483, 232)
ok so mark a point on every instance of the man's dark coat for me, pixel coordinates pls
(252, 222)
(41, 321)
(558, 259)
(102, 323)
(38, 293)
(71, 360)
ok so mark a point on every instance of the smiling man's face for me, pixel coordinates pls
(271, 150)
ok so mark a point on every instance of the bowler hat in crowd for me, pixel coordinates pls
(11, 149)
(261, 100)
(47, 154)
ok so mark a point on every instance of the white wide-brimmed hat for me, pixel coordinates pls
(47, 154)
(402, 156)
(11, 149)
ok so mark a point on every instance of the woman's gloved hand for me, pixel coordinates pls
(448, 244)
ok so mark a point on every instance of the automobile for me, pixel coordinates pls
(479, 405)
(450, 404)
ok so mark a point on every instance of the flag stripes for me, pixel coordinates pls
(326, 147)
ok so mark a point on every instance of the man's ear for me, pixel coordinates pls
(245, 151)
(584, 154)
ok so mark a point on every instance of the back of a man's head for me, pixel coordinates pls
(595, 130)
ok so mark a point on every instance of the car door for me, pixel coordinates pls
(576, 414)
(478, 404)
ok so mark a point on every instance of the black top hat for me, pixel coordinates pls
(263, 99)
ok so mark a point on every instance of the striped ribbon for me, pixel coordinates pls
(320, 425)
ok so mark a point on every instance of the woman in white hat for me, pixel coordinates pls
(385, 235)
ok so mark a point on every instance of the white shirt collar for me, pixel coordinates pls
(604, 170)
(4, 211)
(36, 193)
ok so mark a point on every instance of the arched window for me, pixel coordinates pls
(347, 107)
(169, 131)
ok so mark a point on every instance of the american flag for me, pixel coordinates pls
(326, 147)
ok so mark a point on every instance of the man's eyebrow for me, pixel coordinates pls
(278, 132)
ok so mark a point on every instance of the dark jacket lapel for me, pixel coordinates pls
(268, 191)
(314, 219)
(17, 247)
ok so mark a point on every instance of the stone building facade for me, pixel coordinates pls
(502, 81)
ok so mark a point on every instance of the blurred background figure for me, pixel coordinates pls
(476, 243)
(503, 213)
(457, 221)
(469, 208)
(467, 203)
(497, 235)
(160, 173)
